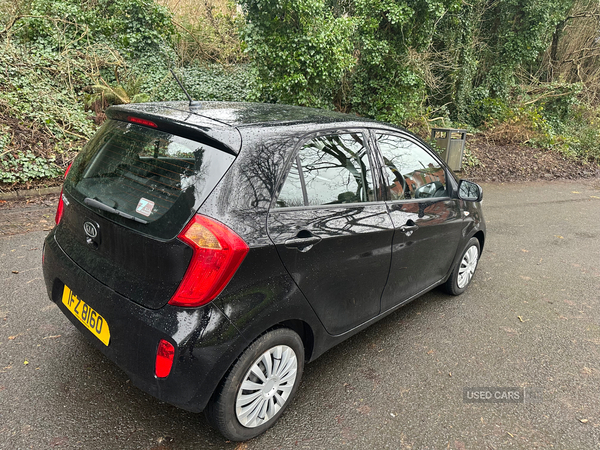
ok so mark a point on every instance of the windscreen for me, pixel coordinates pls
(145, 178)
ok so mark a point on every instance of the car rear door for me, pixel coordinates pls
(126, 197)
(331, 231)
(426, 218)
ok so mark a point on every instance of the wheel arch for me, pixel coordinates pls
(481, 238)
(298, 326)
(305, 332)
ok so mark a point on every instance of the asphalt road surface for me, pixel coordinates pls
(530, 320)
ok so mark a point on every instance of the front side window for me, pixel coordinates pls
(329, 170)
(411, 171)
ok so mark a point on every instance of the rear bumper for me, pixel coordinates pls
(205, 341)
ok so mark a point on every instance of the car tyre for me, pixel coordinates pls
(259, 387)
(463, 272)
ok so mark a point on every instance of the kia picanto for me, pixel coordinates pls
(211, 250)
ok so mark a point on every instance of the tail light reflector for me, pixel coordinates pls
(61, 203)
(218, 252)
(164, 359)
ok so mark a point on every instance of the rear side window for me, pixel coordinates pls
(329, 170)
(145, 178)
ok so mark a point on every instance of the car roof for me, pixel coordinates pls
(241, 114)
(224, 120)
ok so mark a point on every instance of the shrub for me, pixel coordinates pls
(132, 26)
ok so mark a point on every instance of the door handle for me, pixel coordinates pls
(302, 241)
(409, 227)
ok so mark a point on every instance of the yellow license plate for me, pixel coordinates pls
(87, 316)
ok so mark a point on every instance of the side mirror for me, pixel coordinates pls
(469, 191)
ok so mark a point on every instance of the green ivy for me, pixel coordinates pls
(26, 167)
(299, 49)
(36, 88)
(132, 26)
(5, 139)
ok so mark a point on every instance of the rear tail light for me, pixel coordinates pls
(218, 252)
(61, 203)
(59, 209)
(164, 359)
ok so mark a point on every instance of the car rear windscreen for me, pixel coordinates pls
(144, 178)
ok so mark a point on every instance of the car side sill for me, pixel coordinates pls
(333, 340)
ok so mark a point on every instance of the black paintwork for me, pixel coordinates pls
(422, 257)
(343, 274)
(361, 267)
(206, 341)
(144, 270)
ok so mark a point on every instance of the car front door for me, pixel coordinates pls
(427, 220)
(331, 231)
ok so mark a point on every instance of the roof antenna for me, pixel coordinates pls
(193, 103)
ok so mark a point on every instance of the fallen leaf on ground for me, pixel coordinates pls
(583, 420)
(15, 271)
(522, 320)
(365, 409)
(52, 337)
(26, 362)
(588, 371)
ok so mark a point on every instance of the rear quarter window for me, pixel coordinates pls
(156, 178)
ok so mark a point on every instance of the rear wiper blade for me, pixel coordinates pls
(98, 204)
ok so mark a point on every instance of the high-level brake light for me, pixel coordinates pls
(141, 121)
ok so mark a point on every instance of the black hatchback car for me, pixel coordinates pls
(211, 251)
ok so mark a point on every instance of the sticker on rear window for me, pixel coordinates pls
(144, 207)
